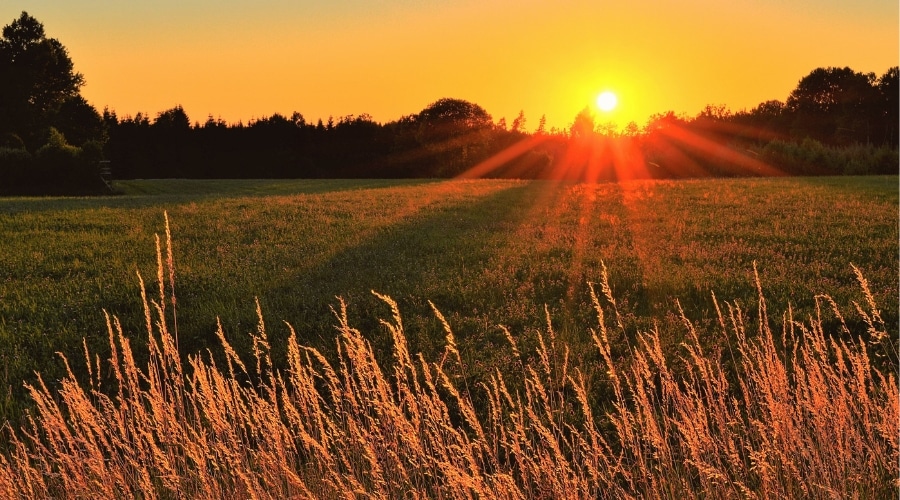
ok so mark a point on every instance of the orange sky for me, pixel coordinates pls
(240, 60)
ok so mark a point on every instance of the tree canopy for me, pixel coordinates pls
(39, 79)
(49, 135)
(839, 105)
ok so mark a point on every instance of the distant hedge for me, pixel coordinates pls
(811, 157)
(55, 168)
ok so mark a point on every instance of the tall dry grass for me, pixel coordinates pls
(797, 412)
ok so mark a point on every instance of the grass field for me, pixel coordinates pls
(637, 357)
(485, 252)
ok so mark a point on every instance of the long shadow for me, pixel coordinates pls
(426, 257)
(166, 192)
(436, 242)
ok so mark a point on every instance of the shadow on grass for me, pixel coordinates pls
(144, 193)
(432, 255)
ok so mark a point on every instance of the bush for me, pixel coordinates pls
(862, 159)
(15, 166)
(811, 157)
(12, 141)
(56, 168)
(57, 161)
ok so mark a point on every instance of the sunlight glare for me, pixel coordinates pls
(607, 101)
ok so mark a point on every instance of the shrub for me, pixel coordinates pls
(12, 141)
(60, 168)
(58, 161)
(810, 157)
(15, 165)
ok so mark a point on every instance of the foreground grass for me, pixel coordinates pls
(484, 252)
(795, 413)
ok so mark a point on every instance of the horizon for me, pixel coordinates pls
(239, 62)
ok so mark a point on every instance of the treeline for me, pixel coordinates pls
(837, 121)
(443, 140)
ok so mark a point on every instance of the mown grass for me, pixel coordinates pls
(486, 253)
(796, 413)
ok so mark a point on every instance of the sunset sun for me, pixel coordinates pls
(607, 101)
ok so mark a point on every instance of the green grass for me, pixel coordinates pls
(789, 414)
(484, 252)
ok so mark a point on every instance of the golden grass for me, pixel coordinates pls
(799, 412)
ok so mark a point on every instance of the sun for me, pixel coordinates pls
(607, 101)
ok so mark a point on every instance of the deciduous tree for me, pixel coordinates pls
(38, 79)
(455, 132)
(834, 105)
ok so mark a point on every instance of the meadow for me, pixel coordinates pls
(506, 263)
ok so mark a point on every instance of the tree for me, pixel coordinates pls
(632, 130)
(834, 105)
(447, 118)
(542, 125)
(456, 133)
(130, 145)
(456, 114)
(518, 125)
(38, 78)
(889, 89)
(769, 109)
(583, 126)
(80, 122)
(768, 120)
(173, 119)
(170, 133)
(716, 113)
(664, 121)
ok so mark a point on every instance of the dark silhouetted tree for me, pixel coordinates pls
(38, 78)
(174, 119)
(80, 122)
(542, 126)
(767, 120)
(583, 126)
(834, 105)
(454, 114)
(172, 146)
(456, 133)
(42, 112)
(518, 125)
(889, 90)
(130, 146)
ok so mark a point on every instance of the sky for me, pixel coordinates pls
(237, 60)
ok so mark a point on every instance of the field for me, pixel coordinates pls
(485, 253)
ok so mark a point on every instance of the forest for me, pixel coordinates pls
(836, 121)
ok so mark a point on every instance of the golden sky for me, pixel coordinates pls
(239, 60)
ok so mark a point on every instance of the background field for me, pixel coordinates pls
(484, 252)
